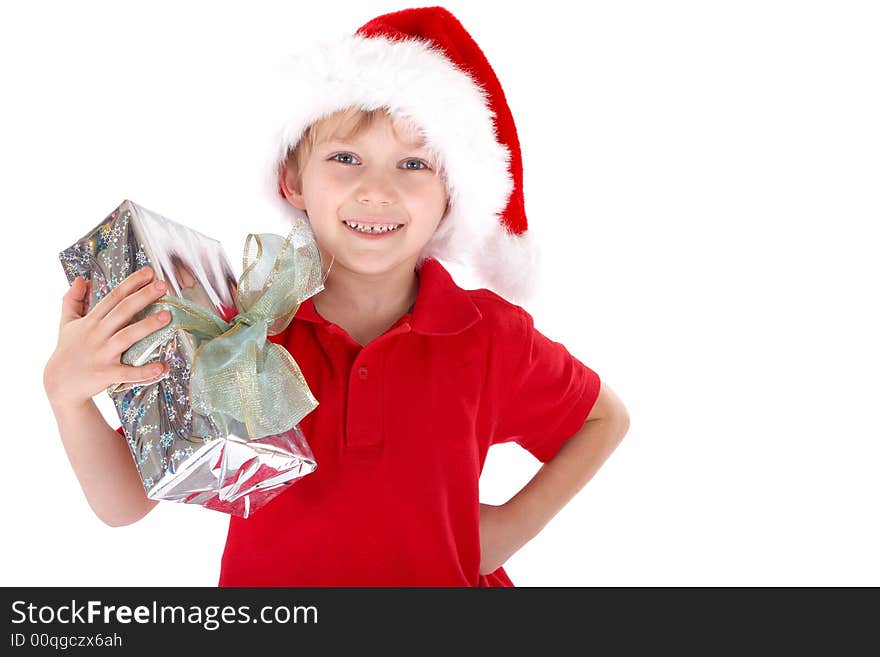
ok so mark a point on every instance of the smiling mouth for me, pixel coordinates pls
(372, 228)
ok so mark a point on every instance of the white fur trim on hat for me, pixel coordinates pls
(420, 85)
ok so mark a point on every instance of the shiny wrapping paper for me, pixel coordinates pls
(185, 454)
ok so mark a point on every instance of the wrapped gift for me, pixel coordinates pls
(221, 428)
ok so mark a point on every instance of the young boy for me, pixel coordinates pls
(394, 158)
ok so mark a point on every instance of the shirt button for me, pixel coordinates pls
(362, 372)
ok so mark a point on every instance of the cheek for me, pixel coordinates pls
(426, 191)
(329, 175)
(324, 227)
(318, 178)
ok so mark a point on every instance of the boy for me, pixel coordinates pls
(393, 158)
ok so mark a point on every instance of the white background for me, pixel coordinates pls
(704, 178)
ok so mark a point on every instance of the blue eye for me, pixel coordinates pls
(418, 168)
(333, 157)
(424, 165)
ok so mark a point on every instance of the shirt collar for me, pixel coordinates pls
(441, 306)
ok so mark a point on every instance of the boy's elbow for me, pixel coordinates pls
(111, 522)
(624, 423)
(123, 519)
(118, 522)
(622, 419)
(610, 409)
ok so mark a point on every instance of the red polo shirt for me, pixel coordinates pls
(400, 436)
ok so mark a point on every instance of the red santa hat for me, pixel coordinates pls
(424, 68)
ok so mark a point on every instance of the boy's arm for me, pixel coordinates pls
(101, 460)
(506, 528)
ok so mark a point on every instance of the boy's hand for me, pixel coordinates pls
(87, 358)
(499, 537)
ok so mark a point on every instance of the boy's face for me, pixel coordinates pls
(375, 178)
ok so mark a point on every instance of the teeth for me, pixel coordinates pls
(363, 228)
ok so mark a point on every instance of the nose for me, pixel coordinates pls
(376, 189)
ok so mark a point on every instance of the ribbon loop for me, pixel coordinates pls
(242, 318)
(237, 373)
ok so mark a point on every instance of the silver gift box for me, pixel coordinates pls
(181, 454)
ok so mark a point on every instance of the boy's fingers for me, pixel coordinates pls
(72, 302)
(125, 311)
(127, 336)
(142, 374)
(132, 283)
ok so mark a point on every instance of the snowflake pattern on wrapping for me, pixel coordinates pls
(158, 421)
(167, 438)
(160, 416)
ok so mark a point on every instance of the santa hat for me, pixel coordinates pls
(424, 68)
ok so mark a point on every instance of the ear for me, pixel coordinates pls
(287, 181)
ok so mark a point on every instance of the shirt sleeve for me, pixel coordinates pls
(549, 396)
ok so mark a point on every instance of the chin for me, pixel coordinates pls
(375, 263)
